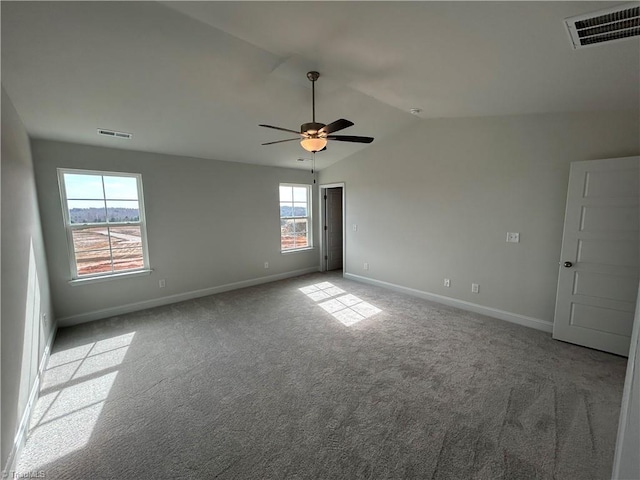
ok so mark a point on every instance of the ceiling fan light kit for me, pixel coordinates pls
(313, 144)
(316, 135)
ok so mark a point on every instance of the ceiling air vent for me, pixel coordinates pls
(609, 25)
(111, 133)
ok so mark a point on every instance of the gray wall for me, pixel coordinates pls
(25, 285)
(437, 200)
(209, 224)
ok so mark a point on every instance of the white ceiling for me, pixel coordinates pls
(196, 78)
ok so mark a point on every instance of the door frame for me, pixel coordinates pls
(321, 223)
(625, 459)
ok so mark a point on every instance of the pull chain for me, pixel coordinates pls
(313, 167)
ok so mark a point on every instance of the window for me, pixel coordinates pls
(295, 217)
(104, 217)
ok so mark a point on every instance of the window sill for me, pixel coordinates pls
(105, 278)
(287, 252)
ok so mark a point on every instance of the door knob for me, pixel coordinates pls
(568, 264)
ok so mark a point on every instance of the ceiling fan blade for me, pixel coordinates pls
(280, 128)
(335, 126)
(281, 141)
(350, 138)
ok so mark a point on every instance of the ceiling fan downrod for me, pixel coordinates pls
(313, 76)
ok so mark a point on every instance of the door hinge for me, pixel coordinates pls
(326, 257)
(325, 197)
(326, 228)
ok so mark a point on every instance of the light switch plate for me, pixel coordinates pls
(513, 237)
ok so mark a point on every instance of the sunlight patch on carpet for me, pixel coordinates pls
(74, 390)
(348, 309)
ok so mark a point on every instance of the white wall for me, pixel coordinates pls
(209, 224)
(437, 200)
(25, 286)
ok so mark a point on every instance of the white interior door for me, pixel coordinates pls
(598, 279)
(333, 230)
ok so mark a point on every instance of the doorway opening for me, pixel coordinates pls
(332, 227)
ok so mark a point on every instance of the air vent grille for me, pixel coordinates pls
(634, 32)
(112, 133)
(616, 16)
(617, 23)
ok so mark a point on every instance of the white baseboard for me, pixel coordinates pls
(23, 427)
(179, 297)
(530, 322)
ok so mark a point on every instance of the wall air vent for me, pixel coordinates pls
(111, 133)
(604, 26)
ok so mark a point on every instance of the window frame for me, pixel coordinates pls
(308, 217)
(71, 227)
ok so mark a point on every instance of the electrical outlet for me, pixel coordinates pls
(475, 288)
(266, 264)
(513, 237)
(355, 227)
(162, 283)
(366, 266)
(447, 282)
(44, 318)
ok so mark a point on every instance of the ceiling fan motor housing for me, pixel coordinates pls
(311, 128)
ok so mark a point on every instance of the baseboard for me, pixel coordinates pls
(530, 322)
(180, 297)
(23, 427)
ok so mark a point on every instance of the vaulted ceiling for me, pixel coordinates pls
(196, 78)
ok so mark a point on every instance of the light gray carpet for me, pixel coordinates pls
(265, 383)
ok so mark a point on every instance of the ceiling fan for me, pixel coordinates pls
(315, 135)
